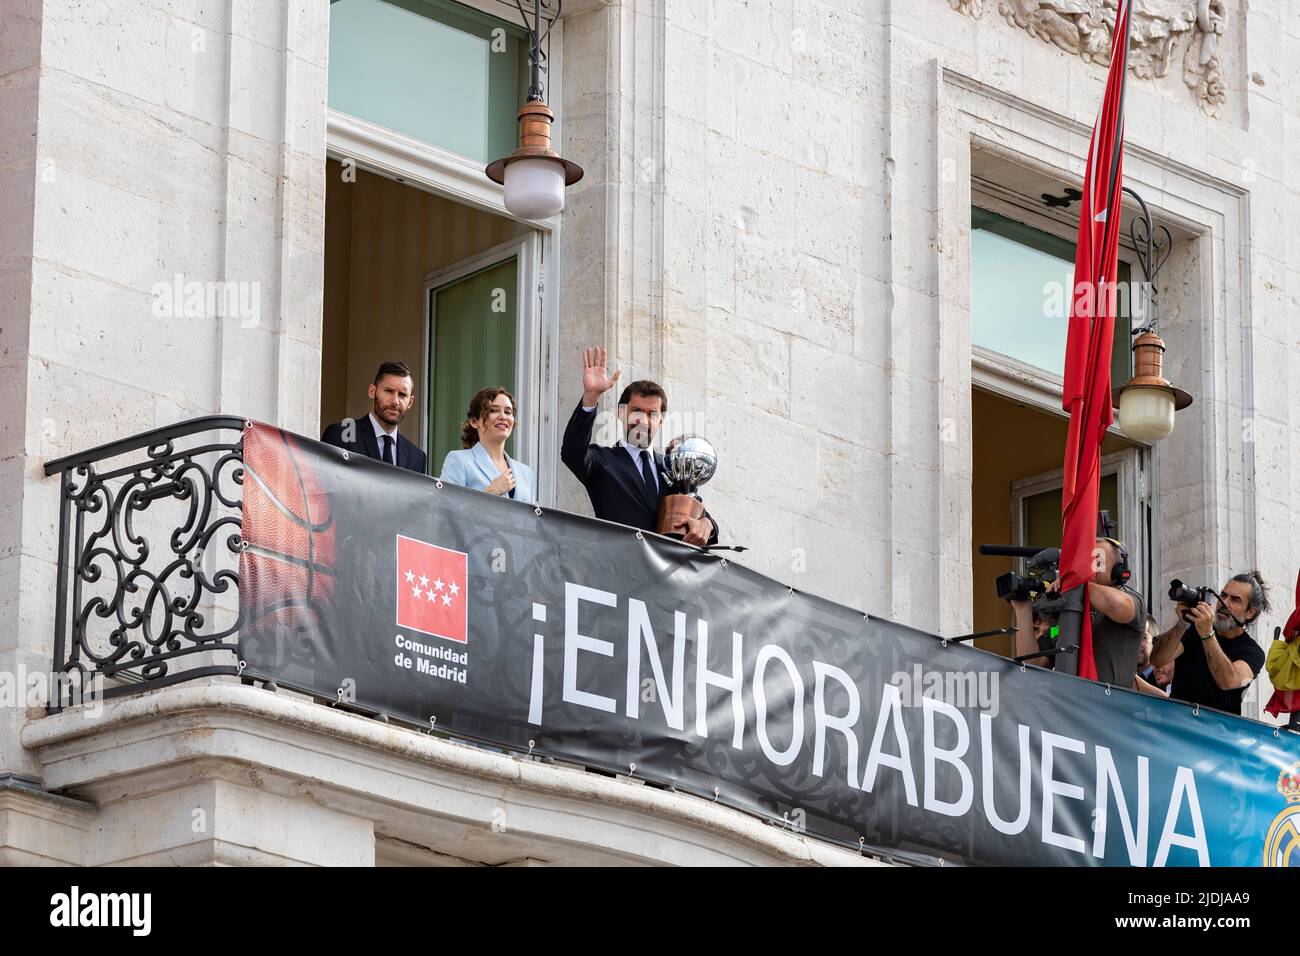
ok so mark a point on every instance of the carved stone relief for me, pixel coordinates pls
(1163, 31)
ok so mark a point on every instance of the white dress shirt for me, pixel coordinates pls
(381, 430)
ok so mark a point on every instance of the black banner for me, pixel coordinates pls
(597, 644)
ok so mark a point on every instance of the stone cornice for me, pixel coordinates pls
(406, 781)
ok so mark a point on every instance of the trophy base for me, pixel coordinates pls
(673, 512)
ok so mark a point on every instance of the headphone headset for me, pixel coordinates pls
(1120, 572)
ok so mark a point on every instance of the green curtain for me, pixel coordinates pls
(472, 345)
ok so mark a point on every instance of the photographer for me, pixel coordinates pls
(1217, 657)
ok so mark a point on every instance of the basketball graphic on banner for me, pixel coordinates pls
(287, 570)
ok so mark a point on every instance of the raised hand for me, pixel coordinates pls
(596, 380)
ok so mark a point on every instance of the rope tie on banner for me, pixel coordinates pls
(862, 845)
(339, 692)
(1196, 710)
(717, 792)
(433, 720)
(531, 745)
(1107, 689)
(631, 771)
(240, 668)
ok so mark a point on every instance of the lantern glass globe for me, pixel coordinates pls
(534, 188)
(1146, 414)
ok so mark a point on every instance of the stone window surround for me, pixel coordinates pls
(413, 162)
(974, 118)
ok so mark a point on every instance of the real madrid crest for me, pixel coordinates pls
(1282, 844)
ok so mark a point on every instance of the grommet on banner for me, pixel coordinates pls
(862, 845)
(1196, 710)
(339, 691)
(1107, 690)
(724, 562)
(640, 536)
(789, 590)
(1023, 667)
(717, 792)
(433, 720)
(345, 456)
(531, 745)
(944, 642)
(1275, 733)
(538, 512)
(248, 423)
(241, 665)
(865, 617)
(438, 483)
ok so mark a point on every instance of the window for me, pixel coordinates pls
(434, 70)
(1021, 279)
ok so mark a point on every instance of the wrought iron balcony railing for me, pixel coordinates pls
(148, 546)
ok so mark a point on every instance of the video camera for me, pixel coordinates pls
(1042, 568)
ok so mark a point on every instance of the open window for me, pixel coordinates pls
(423, 264)
(1022, 274)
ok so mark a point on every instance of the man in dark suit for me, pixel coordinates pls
(376, 435)
(625, 481)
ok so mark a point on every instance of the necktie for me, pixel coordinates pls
(648, 475)
(388, 449)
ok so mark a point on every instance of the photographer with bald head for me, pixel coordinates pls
(1217, 657)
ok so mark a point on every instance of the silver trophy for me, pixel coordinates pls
(689, 461)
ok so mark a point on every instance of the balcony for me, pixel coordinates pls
(227, 689)
(156, 750)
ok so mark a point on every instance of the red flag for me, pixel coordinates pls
(432, 589)
(1087, 394)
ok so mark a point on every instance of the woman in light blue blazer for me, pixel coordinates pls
(483, 464)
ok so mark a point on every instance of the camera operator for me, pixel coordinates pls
(1217, 657)
(1118, 617)
(1118, 621)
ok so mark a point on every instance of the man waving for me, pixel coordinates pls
(624, 481)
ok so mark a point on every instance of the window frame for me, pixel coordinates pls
(525, 249)
(1004, 375)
